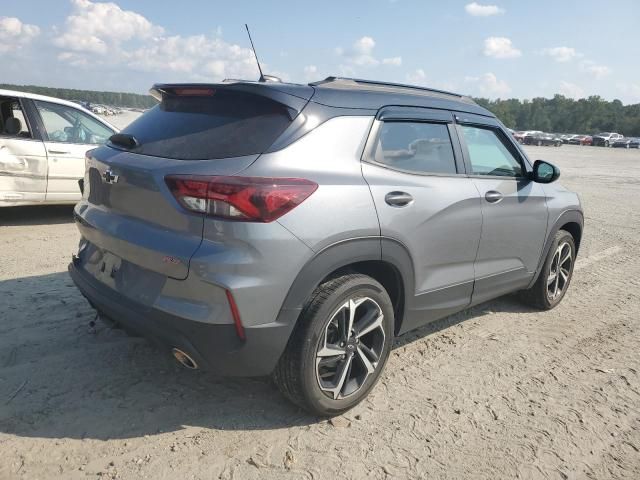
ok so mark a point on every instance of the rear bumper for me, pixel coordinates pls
(215, 347)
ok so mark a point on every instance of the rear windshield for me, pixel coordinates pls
(226, 124)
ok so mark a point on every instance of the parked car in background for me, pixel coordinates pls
(566, 138)
(518, 136)
(521, 135)
(630, 142)
(303, 227)
(543, 139)
(579, 139)
(43, 142)
(605, 139)
(84, 104)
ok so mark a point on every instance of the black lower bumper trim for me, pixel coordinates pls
(216, 348)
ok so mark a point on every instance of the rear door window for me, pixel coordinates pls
(10, 109)
(224, 124)
(65, 124)
(17, 113)
(416, 147)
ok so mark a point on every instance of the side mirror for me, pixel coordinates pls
(544, 172)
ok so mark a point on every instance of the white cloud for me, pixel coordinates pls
(395, 61)
(361, 54)
(346, 71)
(489, 85)
(500, 47)
(478, 10)
(592, 68)
(14, 34)
(199, 54)
(417, 77)
(561, 54)
(571, 90)
(103, 34)
(310, 72)
(98, 27)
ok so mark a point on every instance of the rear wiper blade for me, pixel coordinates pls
(124, 140)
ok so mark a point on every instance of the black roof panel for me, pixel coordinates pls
(372, 95)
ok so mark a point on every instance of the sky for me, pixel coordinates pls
(494, 49)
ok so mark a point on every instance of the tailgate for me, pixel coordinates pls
(127, 209)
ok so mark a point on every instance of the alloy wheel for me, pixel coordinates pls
(350, 348)
(560, 271)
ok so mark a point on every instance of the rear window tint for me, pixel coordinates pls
(227, 124)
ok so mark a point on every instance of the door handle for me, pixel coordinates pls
(398, 199)
(58, 152)
(492, 196)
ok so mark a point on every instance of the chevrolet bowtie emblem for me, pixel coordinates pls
(110, 177)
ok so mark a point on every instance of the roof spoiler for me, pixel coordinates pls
(295, 100)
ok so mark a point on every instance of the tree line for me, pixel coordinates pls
(116, 99)
(566, 115)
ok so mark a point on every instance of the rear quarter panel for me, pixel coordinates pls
(341, 208)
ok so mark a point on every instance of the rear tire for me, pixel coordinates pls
(555, 277)
(327, 367)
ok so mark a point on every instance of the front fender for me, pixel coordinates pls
(568, 216)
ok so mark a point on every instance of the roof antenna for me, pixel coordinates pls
(262, 78)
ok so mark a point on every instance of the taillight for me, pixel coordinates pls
(249, 199)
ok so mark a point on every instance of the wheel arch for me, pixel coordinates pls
(570, 220)
(385, 260)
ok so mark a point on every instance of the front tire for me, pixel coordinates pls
(339, 346)
(553, 281)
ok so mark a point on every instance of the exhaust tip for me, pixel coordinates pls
(184, 359)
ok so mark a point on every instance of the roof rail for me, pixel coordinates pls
(358, 81)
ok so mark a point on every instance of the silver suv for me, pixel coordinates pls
(605, 139)
(295, 230)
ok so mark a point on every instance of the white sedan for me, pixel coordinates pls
(43, 141)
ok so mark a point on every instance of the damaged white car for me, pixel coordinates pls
(43, 141)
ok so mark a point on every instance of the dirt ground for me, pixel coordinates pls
(498, 391)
